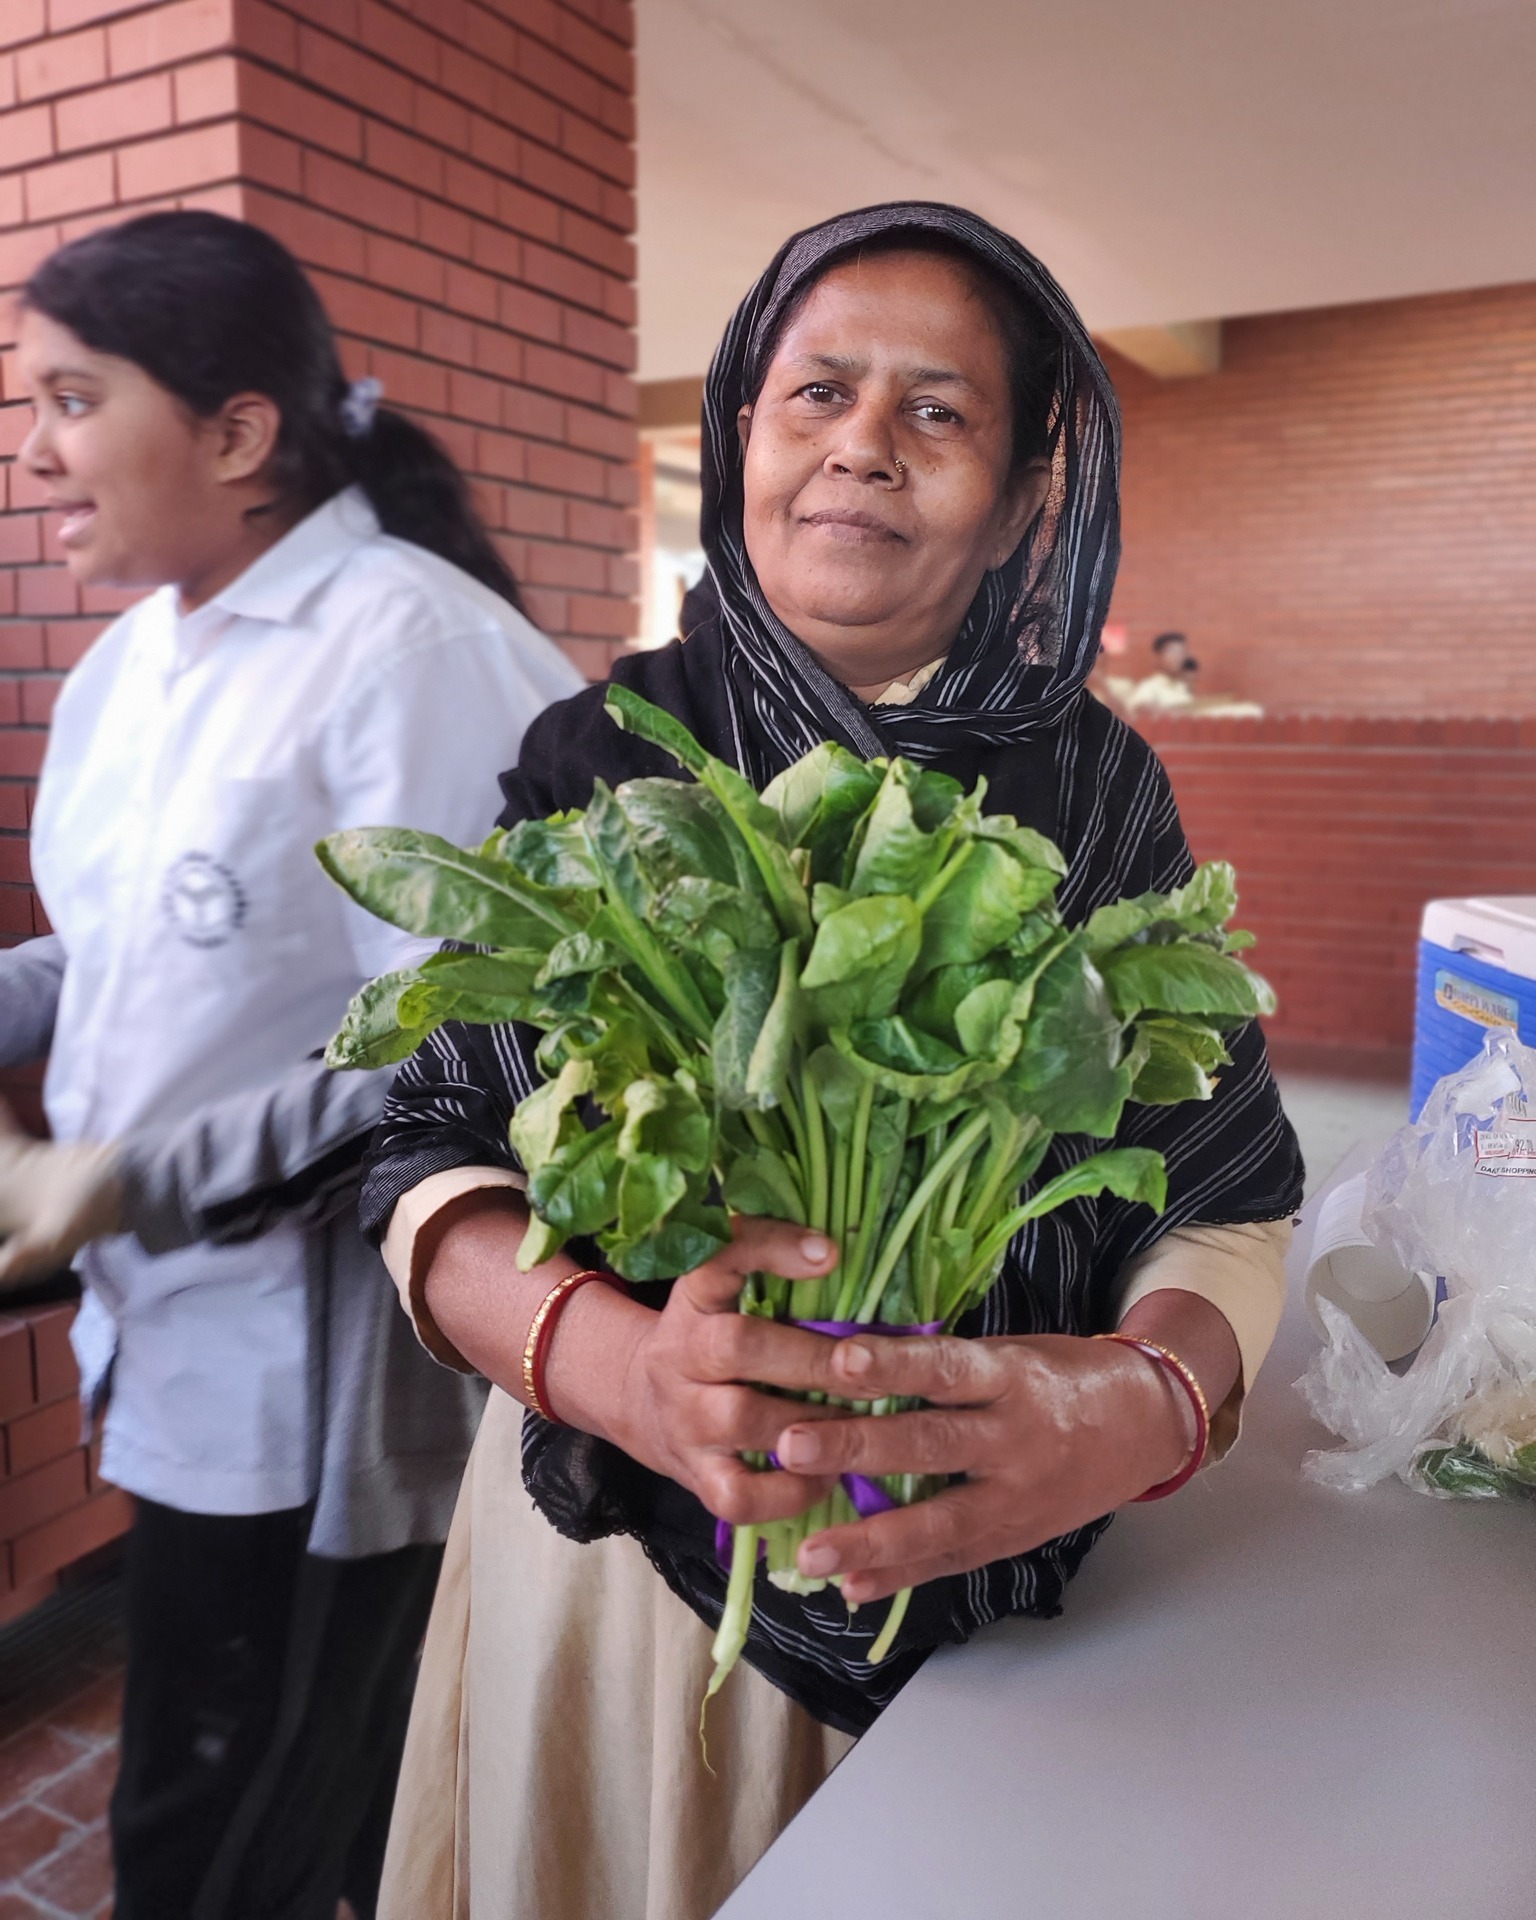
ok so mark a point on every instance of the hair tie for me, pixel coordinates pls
(359, 404)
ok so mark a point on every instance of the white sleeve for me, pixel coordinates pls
(421, 743)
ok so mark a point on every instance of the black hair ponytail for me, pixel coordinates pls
(420, 495)
(210, 307)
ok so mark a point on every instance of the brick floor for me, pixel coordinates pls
(61, 1672)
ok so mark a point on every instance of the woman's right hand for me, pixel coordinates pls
(680, 1403)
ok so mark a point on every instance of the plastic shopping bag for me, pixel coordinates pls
(1454, 1194)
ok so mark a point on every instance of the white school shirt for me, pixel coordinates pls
(345, 679)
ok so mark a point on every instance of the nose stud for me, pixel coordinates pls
(900, 465)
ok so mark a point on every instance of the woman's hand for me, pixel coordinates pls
(669, 1387)
(683, 1405)
(1050, 1432)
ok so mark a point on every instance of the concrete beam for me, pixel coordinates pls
(666, 405)
(1176, 352)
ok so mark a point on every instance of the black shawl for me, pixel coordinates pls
(1007, 704)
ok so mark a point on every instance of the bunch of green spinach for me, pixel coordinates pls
(849, 1001)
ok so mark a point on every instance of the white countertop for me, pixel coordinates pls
(1265, 1701)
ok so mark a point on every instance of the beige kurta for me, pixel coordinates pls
(553, 1770)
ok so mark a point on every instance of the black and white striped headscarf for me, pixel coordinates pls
(1032, 633)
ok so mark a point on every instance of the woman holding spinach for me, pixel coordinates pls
(910, 467)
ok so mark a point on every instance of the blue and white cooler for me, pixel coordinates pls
(1477, 969)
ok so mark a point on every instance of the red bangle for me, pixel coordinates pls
(541, 1330)
(1177, 1370)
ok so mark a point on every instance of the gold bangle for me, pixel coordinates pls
(540, 1328)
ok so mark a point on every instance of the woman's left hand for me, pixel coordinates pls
(1050, 1432)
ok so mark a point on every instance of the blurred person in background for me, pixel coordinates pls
(330, 639)
(1166, 687)
(1175, 687)
(1171, 653)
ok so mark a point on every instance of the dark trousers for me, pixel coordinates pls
(263, 1718)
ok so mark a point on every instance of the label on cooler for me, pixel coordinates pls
(1508, 1151)
(1483, 1005)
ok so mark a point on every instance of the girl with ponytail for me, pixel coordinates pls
(329, 639)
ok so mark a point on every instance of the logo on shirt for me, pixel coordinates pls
(203, 900)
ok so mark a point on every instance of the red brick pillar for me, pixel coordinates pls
(456, 174)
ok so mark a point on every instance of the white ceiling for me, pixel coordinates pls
(1168, 159)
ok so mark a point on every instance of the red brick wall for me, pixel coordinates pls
(54, 1506)
(1344, 517)
(457, 175)
(1340, 830)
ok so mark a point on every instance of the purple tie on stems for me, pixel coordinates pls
(867, 1495)
(845, 1329)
